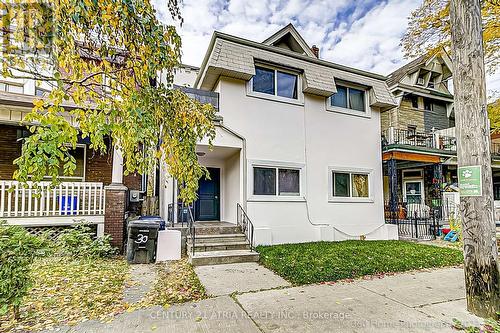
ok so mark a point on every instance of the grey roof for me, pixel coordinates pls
(235, 57)
(402, 71)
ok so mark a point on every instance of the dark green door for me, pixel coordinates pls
(207, 207)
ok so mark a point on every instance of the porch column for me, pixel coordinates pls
(116, 202)
(437, 184)
(117, 173)
(393, 186)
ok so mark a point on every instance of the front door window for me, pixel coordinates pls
(413, 192)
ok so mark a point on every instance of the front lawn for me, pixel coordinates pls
(330, 261)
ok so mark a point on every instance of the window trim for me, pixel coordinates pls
(275, 165)
(414, 180)
(300, 95)
(350, 171)
(73, 178)
(365, 114)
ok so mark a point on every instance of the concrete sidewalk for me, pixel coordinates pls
(408, 302)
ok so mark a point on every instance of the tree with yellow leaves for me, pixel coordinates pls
(429, 30)
(103, 59)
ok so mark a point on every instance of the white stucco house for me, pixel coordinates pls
(298, 142)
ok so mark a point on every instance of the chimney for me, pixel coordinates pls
(315, 50)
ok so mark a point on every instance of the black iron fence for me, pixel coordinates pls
(419, 221)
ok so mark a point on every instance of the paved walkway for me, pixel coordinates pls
(245, 277)
(408, 302)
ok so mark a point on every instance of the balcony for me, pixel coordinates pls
(438, 140)
(441, 140)
(202, 96)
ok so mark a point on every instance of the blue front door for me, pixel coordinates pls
(207, 206)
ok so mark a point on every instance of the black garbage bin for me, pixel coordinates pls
(142, 240)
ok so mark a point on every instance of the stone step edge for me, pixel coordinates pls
(207, 236)
(224, 253)
(228, 243)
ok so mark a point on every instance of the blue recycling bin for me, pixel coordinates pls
(156, 219)
(69, 204)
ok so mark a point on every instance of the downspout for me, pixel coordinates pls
(307, 177)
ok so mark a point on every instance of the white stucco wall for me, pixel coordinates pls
(307, 135)
(232, 189)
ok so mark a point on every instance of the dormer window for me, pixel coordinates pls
(275, 82)
(348, 98)
(421, 80)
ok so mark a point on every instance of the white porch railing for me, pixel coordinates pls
(66, 200)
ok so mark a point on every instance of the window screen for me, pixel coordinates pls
(287, 85)
(264, 181)
(289, 182)
(341, 184)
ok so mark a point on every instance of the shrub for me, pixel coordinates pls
(79, 242)
(18, 249)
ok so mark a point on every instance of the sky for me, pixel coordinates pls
(361, 34)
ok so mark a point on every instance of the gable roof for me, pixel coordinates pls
(402, 71)
(422, 61)
(291, 37)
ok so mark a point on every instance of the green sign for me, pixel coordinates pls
(469, 181)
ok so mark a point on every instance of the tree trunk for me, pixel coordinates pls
(482, 269)
(150, 203)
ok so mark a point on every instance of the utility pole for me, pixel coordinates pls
(481, 265)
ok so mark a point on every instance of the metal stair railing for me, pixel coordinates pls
(246, 224)
(191, 229)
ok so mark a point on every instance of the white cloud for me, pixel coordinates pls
(359, 33)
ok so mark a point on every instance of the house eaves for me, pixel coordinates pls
(235, 57)
(431, 93)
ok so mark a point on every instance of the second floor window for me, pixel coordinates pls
(13, 88)
(348, 98)
(275, 82)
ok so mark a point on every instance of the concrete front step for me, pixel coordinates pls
(220, 246)
(204, 239)
(214, 228)
(222, 257)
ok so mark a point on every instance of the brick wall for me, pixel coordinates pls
(10, 149)
(114, 218)
(409, 116)
(99, 169)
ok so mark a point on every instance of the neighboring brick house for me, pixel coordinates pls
(84, 195)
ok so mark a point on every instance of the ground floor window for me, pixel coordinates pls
(276, 181)
(349, 184)
(78, 175)
(413, 191)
